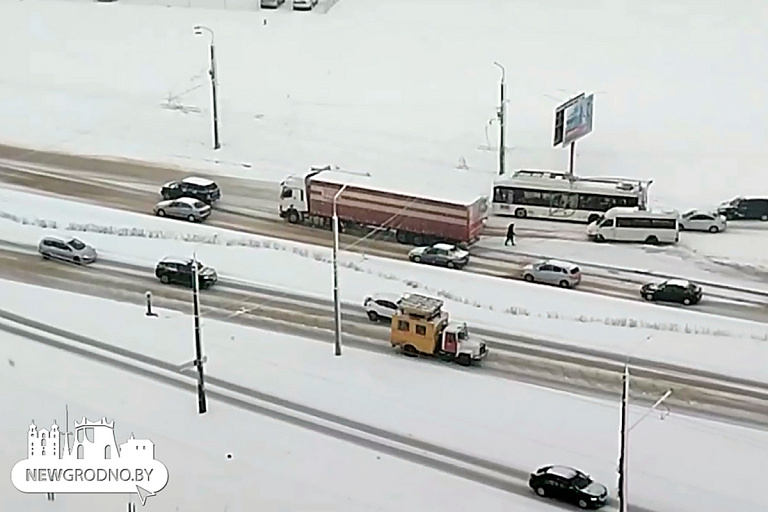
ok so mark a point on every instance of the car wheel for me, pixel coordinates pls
(599, 238)
(417, 259)
(541, 491)
(764, 218)
(191, 218)
(164, 279)
(77, 260)
(45, 255)
(565, 284)
(451, 264)
(648, 296)
(687, 301)
(714, 229)
(373, 316)
(583, 504)
(521, 213)
(528, 277)
(161, 213)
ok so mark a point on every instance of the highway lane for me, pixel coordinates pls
(516, 357)
(102, 189)
(463, 465)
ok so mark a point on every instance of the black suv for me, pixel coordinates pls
(181, 271)
(569, 485)
(198, 188)
(745, 209)
(673, 290)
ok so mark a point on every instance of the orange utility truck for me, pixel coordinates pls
(421, 327)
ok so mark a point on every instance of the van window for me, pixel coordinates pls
(607, 223)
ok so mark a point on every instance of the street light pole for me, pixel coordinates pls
(202, 405)
(502, 120)
(214, 84)
(336, 301)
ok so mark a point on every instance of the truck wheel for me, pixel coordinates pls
(464, 360)
(293, 217)
(521, 213)
(410, 351)
(403, 237)
(418, 240)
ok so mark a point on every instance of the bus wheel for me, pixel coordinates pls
(652, 240)
(521, 213)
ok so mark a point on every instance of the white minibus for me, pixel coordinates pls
(635, 225)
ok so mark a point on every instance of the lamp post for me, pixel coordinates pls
(336, 306)
(500, 113)
(202, 405)
(199, 29)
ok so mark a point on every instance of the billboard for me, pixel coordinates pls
(578, 119)
(560, 118)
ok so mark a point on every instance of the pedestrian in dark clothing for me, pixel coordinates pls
(510, 235)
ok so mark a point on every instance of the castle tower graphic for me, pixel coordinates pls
(91, 440)
(43, 443)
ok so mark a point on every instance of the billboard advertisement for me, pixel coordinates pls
(560, 118)
(578, 119)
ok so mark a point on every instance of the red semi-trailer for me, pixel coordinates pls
(418, 213)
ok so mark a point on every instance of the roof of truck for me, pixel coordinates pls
(451, 185)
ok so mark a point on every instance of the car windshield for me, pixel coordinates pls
(581, 481)
(76, 244)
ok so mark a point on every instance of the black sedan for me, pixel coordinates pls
(672, 290)
(569, 485)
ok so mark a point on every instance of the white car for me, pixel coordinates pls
(304, 5)
(561, 273)
(381, 306)
(696, 220)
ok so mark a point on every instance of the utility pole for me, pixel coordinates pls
(202, 406)
(336, 300)
(571, 158)
(214, 84)
(500, 113)
(624, 444)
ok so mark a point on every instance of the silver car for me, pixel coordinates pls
(187, 208)
(696, 220)
(561, 273)
(66, 249)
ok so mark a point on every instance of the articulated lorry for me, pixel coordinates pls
(418, 213)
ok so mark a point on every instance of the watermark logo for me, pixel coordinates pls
(88, 461)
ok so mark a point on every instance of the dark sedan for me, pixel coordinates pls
(569, 485)
(672, 290)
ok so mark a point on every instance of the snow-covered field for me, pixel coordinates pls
(685, 337)
(398, 87)
(672, 461)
